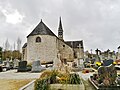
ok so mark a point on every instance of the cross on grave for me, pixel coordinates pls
(97, 50)
(79, 46)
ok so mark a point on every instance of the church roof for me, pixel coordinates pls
(74, 44)
(25, 45)
(119, 47)
(41, 29)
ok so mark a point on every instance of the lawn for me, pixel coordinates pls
(10, 84)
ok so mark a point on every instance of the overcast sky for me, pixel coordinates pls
(96, 22)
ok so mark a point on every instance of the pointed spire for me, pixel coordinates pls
(60, 25)
(60, 30)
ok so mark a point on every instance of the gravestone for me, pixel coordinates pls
(57, 62)
(7, 65)
(118, 79)
(74, 64)
(36, 66)
(81, 63)
(15, 63)
(1, 62)
(107, 75)
(87, 60)
(107, 62)
(1, 69)
(22, 67)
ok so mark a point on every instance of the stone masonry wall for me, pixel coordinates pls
(65, 50)
(24, 55)
(45, 50)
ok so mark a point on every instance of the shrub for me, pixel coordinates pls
(47, 77)
(74, 79)
(41, 84)
(52, 77)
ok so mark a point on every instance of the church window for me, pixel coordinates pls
(63, 45)
(38, 39)
(60, 33)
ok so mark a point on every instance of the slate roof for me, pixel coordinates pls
(41, 29)
(119, 47)
(74, 44)
(25, 45)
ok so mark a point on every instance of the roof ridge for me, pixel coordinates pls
(41, 29)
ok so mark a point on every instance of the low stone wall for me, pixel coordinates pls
(67, 87)
(29, 86)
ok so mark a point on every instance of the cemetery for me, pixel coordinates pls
(67, 75)
(59, 44)
(48, 62)
(103, 75)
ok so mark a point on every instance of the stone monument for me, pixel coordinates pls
(22, 67)
(57, 62)
(36, 66)
(107, 75)
(15, 63)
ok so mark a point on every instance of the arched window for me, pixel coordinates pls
(38, 39)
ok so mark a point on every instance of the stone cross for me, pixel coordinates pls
(79, 46)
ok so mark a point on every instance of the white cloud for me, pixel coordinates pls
(13, 17)
(97, 22)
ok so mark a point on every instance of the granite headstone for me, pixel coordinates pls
(36, 66)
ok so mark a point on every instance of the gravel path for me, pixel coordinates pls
(88, 85)
(13, 74)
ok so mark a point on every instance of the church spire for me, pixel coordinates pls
(60, 30)
(60, 24)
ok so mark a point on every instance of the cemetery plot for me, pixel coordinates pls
(53, 80)
(106, 78)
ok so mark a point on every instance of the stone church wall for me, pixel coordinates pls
(45, 50)
(65, 50)
(24, 54)
(79, 53)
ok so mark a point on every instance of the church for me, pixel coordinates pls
(42, 44)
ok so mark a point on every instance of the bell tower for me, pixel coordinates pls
(60, 30)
